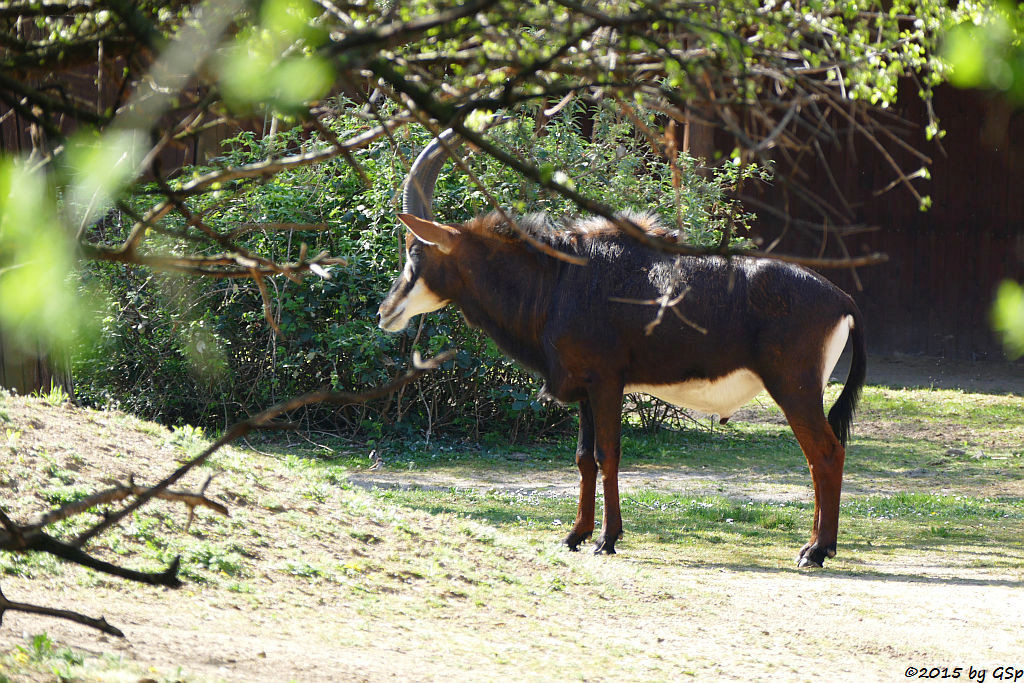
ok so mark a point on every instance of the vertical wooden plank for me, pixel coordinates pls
(27, 372)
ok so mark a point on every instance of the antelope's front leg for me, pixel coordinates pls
(607, 410)
(583, 527)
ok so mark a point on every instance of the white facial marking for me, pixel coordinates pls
(722, 396)
(834, 345)
(419, 299)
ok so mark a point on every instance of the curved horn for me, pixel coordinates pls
(418, 195)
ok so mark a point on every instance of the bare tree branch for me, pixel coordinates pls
(32, 538)
(119, 493)
(98, 624)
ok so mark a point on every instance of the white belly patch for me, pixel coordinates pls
(722, 396)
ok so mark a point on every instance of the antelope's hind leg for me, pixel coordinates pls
(583, 527)
(825, 459)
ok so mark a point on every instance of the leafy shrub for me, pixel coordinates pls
(200, 352)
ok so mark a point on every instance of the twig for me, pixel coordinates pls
(119, 493)
(298, 227)
(268, 310)
(32, 538)
(262, 421)
(524, 235)
(255, 170)
(662, 303)
(99, 624)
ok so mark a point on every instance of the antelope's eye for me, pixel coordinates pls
(411, 271)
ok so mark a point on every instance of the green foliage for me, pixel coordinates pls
(957, 507)
(190, 440)
(271, 62)
(41, 648)
(613, 165)
(36, 303)
(28, 565)
(55, 397)
(63, 495)
(41, 652)
(280, 57)
(202, 352)
(211, 557)
(1008, 317)
(985, 50)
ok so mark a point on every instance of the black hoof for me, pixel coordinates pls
(605, 545)
(574, 539)
(805, 562)
(814, 555)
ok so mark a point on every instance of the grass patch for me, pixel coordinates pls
(29, 565)
(702, 506)
(927, 505)
(39, 658)
(730, 531)
(949, 438)
(945, 405)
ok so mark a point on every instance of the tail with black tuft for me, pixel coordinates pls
(841, 415)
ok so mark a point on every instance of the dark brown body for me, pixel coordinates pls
(734, 326)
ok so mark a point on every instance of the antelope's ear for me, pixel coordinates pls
(440, 235)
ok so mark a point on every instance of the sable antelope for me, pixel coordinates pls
(740, 325)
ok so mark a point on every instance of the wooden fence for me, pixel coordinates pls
(27, 372)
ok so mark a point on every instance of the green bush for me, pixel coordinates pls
(200, 351)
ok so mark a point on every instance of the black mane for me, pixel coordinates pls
(561, 234)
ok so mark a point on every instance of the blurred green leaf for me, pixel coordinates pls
(272, 63)
(288, 18)
(98, 168)
(986, 49)
(37, 304)
(301, 79)
(1008, 317)
(965, 50)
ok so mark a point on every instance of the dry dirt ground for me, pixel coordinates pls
(338, 586)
